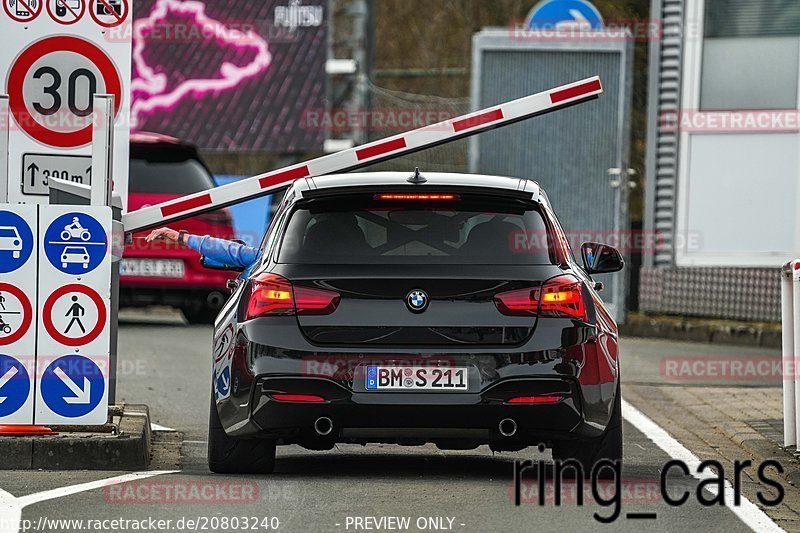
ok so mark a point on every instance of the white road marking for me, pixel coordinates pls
(11, 507)
(10, 513)
(157, 427)
(747, 511)
(30, 499)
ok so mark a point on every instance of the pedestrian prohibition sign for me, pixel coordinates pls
(46, 89)
(72, 386)
(74, 315)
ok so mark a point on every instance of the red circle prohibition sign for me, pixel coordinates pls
(71, 16)
(27, 313)
(32, 13)
(109, 9)
(16, 84)
(47, 315)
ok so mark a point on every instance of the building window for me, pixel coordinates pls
(751, 51)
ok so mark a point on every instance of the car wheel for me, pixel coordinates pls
(608, 446)
(200, 315)
(229, 455)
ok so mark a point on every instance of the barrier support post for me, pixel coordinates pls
(102, 149)
(101, 194)
(788, 370)
(796, 337)
(4, 127)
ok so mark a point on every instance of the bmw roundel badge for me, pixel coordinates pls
(417, 301)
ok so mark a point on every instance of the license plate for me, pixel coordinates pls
(416, 378)
(152, 268)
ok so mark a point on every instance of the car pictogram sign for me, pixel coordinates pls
(16, 242)
(47, 88)
(75, 243)
(74, 315)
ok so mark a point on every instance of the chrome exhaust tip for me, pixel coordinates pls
(323, 426)
(507, 427)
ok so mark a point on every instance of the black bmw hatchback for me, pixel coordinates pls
(407, 309)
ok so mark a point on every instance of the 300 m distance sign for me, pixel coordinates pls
(51, 85)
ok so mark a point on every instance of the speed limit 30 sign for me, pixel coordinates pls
(50, 85)
(52, 68)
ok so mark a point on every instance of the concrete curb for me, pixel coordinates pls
(697, 330)
(122, 444)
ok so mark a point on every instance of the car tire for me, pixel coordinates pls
(608, 446)
(200, 315)
(229, 455)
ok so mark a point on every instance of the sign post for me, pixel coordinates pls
(18, 259)
(57, 59)
(72, 363)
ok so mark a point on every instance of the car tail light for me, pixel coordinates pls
(297, 398)
(560, 297)
(563, 297)
(548, 398)
(417, 197)
(273, 295)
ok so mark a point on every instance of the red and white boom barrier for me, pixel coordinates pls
(790, 332)
(367, 154)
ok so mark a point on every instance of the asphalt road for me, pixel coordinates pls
(166, 365)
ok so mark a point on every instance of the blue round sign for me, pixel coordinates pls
(224, 382)
(72, 386)
(15, 385)
(550, 13)
(16, 242)
(75, 243)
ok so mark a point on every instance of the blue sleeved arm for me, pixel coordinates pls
(223, 251)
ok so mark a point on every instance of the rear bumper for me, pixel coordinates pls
(562, 358)
(448, 419)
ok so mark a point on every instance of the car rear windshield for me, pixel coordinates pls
(368, 230)
(168, 175)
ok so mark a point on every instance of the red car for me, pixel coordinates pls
(162, 273)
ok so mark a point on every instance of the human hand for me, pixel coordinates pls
(163, 233)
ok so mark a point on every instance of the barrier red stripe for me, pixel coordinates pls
(477, 120)
(378, 149)
(578, 90)
(186, 205)
(281, 177)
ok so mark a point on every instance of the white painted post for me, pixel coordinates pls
(788, 357)
(4, 127)
(796, 336)
(102, 149)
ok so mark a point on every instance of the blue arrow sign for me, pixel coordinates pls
(72, 386)
(15, 385)
(224, 382)
(551, 13)
(16, 241)
(75, 243)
